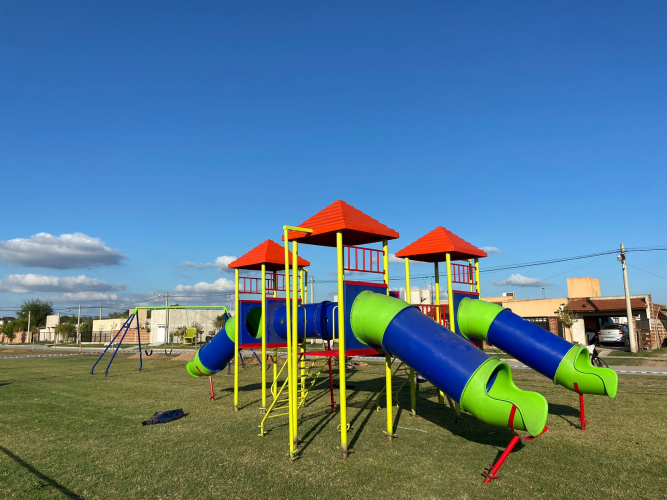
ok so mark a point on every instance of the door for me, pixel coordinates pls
(161, 334)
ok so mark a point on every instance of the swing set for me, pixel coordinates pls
(130, 323)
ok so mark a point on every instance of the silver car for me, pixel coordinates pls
(614, 334)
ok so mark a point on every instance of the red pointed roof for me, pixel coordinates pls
(357, 227)
(268, 252)
(433, 246)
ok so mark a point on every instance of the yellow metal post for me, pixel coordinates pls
(289, 345)
(477, 277)
(275, 351)
(452, 321)
(387, 357)
(263, 408)
(448, 261)
(236, 340)
(408, 299)
(295, 336)
(436, 270)
(437, 291)
(342, 383)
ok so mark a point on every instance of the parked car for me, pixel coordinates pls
(614, 334)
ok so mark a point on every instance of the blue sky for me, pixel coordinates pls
(171, 132)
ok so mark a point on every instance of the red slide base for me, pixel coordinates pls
(494, 468)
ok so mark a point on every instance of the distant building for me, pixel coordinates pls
(592, 311)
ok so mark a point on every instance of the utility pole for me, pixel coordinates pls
(166, 312)
(78, 327)
(312, 290)
(628, 306)
(544, 295)
(32, 337)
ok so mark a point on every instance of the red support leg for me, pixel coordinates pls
(210, 383)
(582, 414)
(493, 473)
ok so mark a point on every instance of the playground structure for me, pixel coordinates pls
(367, 321)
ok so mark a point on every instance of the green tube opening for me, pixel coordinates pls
(490, 394)
(576, 368)
(475, 316)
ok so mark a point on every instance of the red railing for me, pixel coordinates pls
(252, 285)
(364, 260)
(432, 310)
(463, 273)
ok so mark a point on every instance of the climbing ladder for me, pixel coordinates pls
(309, 375)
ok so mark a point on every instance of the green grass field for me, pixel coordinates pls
(65, 434)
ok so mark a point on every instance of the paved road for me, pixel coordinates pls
(624, 370)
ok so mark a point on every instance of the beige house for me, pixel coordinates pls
(592, 310)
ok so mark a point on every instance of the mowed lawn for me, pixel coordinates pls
(66, 434)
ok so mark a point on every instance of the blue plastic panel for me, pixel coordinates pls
(246, 307)
(457, 297)
(352, 289)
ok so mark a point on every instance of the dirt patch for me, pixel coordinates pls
(186, 356)
(152, 356)
(20, 351)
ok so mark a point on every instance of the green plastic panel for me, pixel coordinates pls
(191, 367)
(494, 405)
(475, 316)
(576, 368)
(371, 314)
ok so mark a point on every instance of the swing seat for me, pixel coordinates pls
(190, 336)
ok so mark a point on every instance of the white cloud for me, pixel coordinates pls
(220, 263)
(28, 283)
(219, 285)
(197, 265)
(491, 250)
(97, 297)
(519, 280)
(67, 251)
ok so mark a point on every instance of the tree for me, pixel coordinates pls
(220, 321)
(566, 318)
(66, 331)
(198, 327)
(118, 315)
(86, 326)
(7, 329)
(39, 310)
(178, 334)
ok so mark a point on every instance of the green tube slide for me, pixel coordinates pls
(566, 364)
(482, 385)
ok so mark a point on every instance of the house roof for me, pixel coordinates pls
(605, 305)
(269, 253)
(357, 227)
(434, 246)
